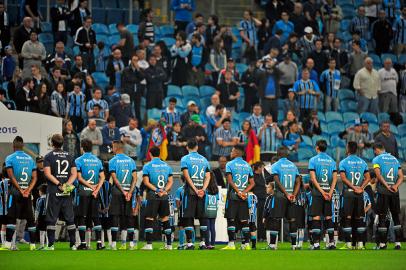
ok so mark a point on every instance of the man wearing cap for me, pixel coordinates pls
(306, 43)
(191, 109)
(225, 140)
(355, 135)
(194, 130)
(121, 110)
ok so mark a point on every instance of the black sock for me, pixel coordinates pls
(51, 236)
(253, 241)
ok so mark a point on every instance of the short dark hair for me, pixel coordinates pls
(240, 148)
(352, 147)
(57, 141)
(97, 106)
(42, 188)
(191, 143)
(86, 145)
(155, 151)
(257, 164)
(111, 119)
(197, 15)
(378, 146)
(331, 59)
(27, 81)
(219, 107)
(173, 99)
(322, 145)
(283, 151)
(2, 92)
(226, 120)
(18, 142)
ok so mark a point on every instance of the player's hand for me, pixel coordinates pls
(95, 193)
(291, 198)
(26, 193)
(127, 196)
(326, 196)
(200, 193)
(394, 188)
(358, 190)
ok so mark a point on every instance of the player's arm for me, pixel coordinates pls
(148, 184)
(298, 182)
(73, 176)
(133, 184)
(346, 181)
(315, 183)
(378, 174)
(32, 183)
(206, 181)
(280, 186)
(83, 181)
(367, 179)
(102, 178)
(189, 180)
(13, 179)
(51, 178)
(117, 183)
(169, 184)
(231, 183)
(333, 184)
(250, 186)
(395, 187)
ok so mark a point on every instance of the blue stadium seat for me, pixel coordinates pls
(190, 91)
(350, 117)
(113, 40)
(243, 116)
(321, 116)
(204, 103)
(167, 30)
(373, 127)
(46, 38)
(370, 117)
(383, 117)
(235, 31)
(133, 28)
(109, 3)
(154, 114)
(241, 68)
(344, 25)
(103, 38)
(101, 79)
(99, 15)
(402, 130)
(305, 154)
(113, 29)
(394, 129)
(76, 51)
(96, 4)
(335, 127)
(403, 143)
(403, 117)
(101, 28)
(344, 94)
(206, 91)
(281, 117)
(235, 125)
(389, 55)
(115, 15)
(46, 27)
(174, 91)
(336, 141)
(375, 58)
(348, 106)
(402, 60)
(169, 42)
(333, 116)
(316, 138)
(307, 140)
(368, 154)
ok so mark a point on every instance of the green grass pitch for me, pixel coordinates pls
(283, 258)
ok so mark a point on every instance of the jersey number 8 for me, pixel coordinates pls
(161, 181)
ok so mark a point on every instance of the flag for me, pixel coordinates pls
(253, 150)
(158, 139)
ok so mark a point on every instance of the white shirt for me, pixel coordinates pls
(135, 139)
(369, 83)
(61, 24)
(389, 81)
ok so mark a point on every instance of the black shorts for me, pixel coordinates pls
(156, 208)
(386, 202)
(193, 207)
(3, 220)
(59, 205)
(119, 206)
(282, 207)
(352, 205)
(237, 210)
(253, 226)
(300, 216)
(320, 207)
(41, 224)
(106, 223)
(20, 208)
(88, 206)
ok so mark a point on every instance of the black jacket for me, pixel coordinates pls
(84, 36)
(21, 35)
(57, 16)
(320, 61)
(76, 20)
(155, 76)
(219, 178)
(111, 72)
(129, 78)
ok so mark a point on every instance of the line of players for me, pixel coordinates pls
(116, 206)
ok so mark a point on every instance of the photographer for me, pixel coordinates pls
(269, 136)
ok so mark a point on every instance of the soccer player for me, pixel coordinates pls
(123, 171)
(287, 184)
(240, 179)
(196, 170)
(157, 178)
(390, 176)
(60, 171)
(323, 178)
(355, 176)
(21, 170)
(91, 178)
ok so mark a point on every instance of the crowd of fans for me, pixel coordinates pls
(296, 63)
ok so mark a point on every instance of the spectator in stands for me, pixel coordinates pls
(340, 55)
(130, 84)
(220, 172)
(92, 133)
(367, 83)
(132, 139)
(192, 26)
(356, 60)
(214, 101)
(229, 67)
(355, 134)
(366, 133)
(58, 104)
(313, 73)
(212, 30)
(256, 119)
(371, 10)
(8, 62)
(289, 71)
(274, 42)
(115, 67)
(39, 76)
(25, 97)
(126, 43)
(248, 33)
(21, 35)
(388, 94)
(402, 92)
(170, 115)
(400, 33)
(391, 7)
(382, 33)
(97, 99)
(328, 43)
(195, 130)
(196, 75)
(244, 133)
(201, 30)
(78, 66)
(387, 139)
(88, 84)
(71, 143)
(112, 95)
(75, 109)
(79, 16)
(8, 103)
(121, 110)
(97, 115)
(146, 30)
(225, 140)
(311, 125)
(311, 8)
(298, 19)
(155, 77)
(249, 83)
(307, 91)
(33, 52)
(180, 52)
(356, 36)
(292, 138)
(360, 23)
(268, 86)
(269, 136)
(59, 64)
(330, 80)
(85, 38)
(110, 133)
(176, 142)
(332, 15)
(191, 109)
(306, 42)
(60, 15)
(31, 9)
(5, 34)
(56, 77)
(15, 83)
(183, 13)
(228, 92)
(291, 104)
(285, 25)
(59, 53)
(273, 10)
(44, 102)
(319, 57)
(228, 38)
